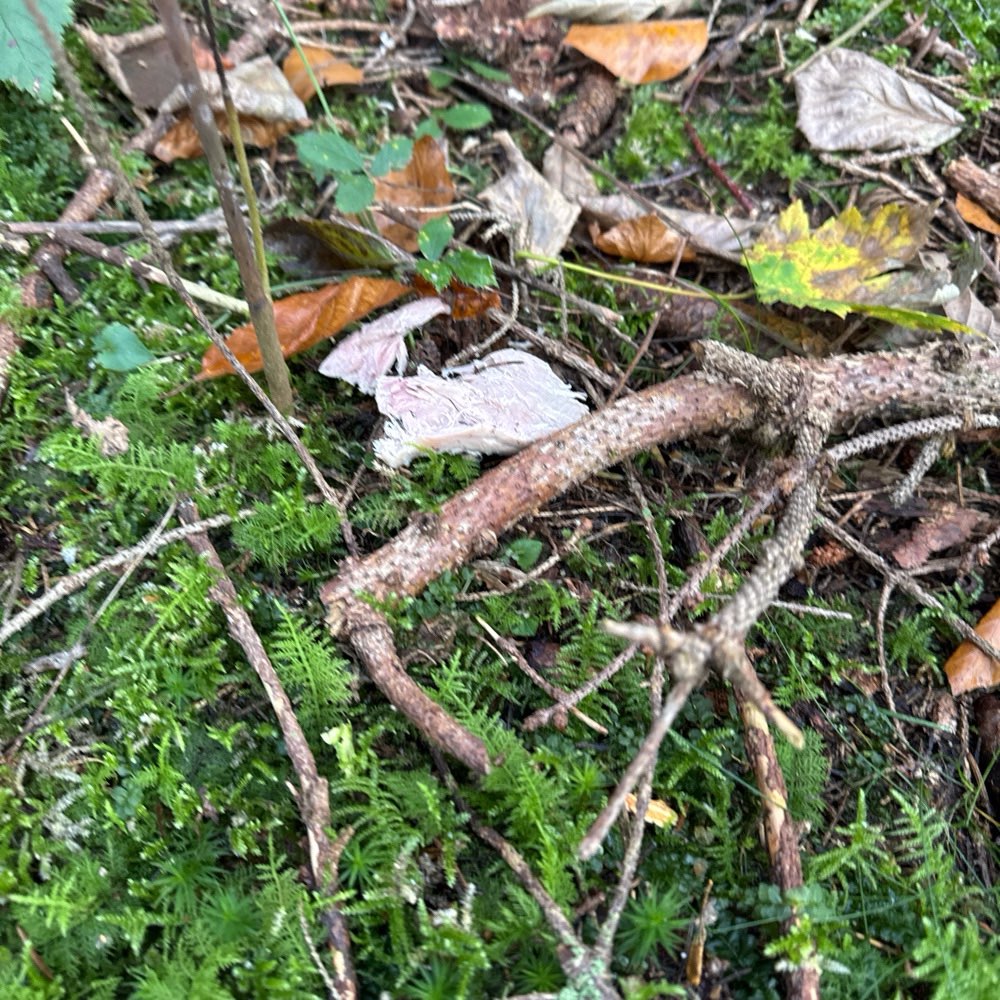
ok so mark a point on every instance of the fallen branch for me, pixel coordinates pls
(313, 794)
(843, 389)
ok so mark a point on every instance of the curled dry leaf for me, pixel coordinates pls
(305, 319)
(542, 218)
(495, 406)
(848, 100)
(969, 668)
(424, 183)
(363, 357)
(642, 53)
(265, 103)
(328, 70)
(646, 240)
(110, 435)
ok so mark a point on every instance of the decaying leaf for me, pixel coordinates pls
(363, 357)
(951, 525)
(975, 215)
(326, 68)
(139, 62)
(265, 103)
(464, 301)
(969, 668)
(495, 406)
(658, 813)
(646, 240)
(642, 53)
(310, 247)
(848, 100)
(110, 435)
(848, 263)
(968, 310)
(305, 319)
(424, 183)
(542, 218)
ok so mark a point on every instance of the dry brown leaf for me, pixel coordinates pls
(969, 310)
(642, 53)
(951, 525)
(424, 183)
(645, 240)
(265, 103)
(305, 319)
(328, 70)
(464, 301)
(969, 668)
(975, 215)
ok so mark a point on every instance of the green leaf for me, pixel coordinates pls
(427, 127)
(439, 79)
(434, 236)
(355, 192)
(25, 60)
(525, 552)
(471, 268)
(466, 117)
(394, 155)
(119, 349)
(326, 153)
(437, 272)
(484, 70)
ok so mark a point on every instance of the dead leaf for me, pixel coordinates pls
(847, 264)
(494, 406)
(969, 668)
(968, 310)
(110, 435)
(609, 11)
(363, 357)
(424, 183)
(265, 103)
(951, 525)
(310, 247)
(305, 319)
(658, 813)
(642, 53)
(848, 100)
(328, 70)
(975, 215)
(464, 301)
(645, 240)
(542, 218)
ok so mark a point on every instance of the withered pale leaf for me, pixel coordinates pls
(970, 311)
(968, 668)
(371, 351)
(326, 68)
(848, 100)
(305, 319)
(642, 53)
(658, 813)
(646, 240)
(495, 406)
(542, 218)
(424, 183)
(609, 11)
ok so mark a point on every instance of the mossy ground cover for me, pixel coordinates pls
(149, 843)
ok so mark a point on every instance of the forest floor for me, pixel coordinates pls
(634, 661)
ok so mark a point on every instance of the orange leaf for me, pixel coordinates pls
(649, 52)
(423, 183)
(305, 319)
(181, 142)
(327, 70)
(464, 301)
(975, 215)
(658, 812)
(646, 240)
(969, 668)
